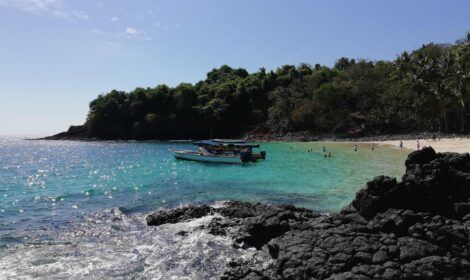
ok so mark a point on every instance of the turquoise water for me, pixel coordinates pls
(48, 189)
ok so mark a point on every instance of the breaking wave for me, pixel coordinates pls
(112, 244)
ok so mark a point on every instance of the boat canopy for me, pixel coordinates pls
(226, 143)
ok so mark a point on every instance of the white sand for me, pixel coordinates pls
(458, 145)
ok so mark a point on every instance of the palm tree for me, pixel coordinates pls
(427, 74)
(461, 75)
(440, 70)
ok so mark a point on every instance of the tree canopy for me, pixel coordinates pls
(423, 90)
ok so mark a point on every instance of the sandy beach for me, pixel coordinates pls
(458, 145)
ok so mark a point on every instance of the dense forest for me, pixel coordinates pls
(423, 90)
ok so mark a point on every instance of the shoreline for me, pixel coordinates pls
(414, 229)
(454, 145)
(444, 143)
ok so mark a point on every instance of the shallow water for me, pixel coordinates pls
(77, 209)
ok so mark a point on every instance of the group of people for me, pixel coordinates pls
(328, 154)
(418, 144)
(372, 147)
(324, 153)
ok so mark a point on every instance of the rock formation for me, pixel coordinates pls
(414, 229)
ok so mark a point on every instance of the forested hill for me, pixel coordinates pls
(424, 90)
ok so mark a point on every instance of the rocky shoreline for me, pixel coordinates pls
(78, 133)
(414, 229)
(82, 133)
(308, 137)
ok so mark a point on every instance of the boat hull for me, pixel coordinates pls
(186, 155)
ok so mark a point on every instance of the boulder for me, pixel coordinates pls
(414, 229)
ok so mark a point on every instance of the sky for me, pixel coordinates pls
(58, 55)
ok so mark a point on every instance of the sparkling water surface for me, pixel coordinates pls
(77, 209)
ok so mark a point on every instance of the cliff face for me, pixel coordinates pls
(414, 229)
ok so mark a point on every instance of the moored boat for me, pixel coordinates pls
(221, 151)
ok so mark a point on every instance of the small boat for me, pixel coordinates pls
(221, 151)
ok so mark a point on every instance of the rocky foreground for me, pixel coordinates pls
(414, 229)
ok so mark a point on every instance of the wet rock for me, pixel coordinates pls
(177, 215)
(414, 229)
(182, 233)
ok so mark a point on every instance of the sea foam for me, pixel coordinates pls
(111, 244)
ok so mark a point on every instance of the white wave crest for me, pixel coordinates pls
(114, 245)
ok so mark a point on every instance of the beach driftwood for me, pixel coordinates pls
(414, 229)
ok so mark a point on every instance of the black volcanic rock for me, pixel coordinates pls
(414, 229)
(176, 215)
(434, 183)
(427, 154)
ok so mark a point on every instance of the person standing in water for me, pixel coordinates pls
(324, 149)
(401, 145)
(372, 148)
(355, 147)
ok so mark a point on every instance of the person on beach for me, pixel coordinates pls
(417, 141)
(401, 145)
(355, 147)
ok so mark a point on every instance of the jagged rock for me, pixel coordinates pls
(425, 155)
(177, 215)
(433, 183)
(414, 229)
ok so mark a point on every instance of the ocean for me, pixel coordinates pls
(77, 209)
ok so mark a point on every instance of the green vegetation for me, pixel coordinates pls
(425, 90)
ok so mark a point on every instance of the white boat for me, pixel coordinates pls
(198, 156)
(221, 151)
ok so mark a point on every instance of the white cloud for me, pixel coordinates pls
(34, 6)
(132, 31)
(55, 8)
(114, 19)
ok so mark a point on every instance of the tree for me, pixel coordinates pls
(461, 75)
(419, 90)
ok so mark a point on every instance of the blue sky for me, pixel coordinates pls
(58, 55)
